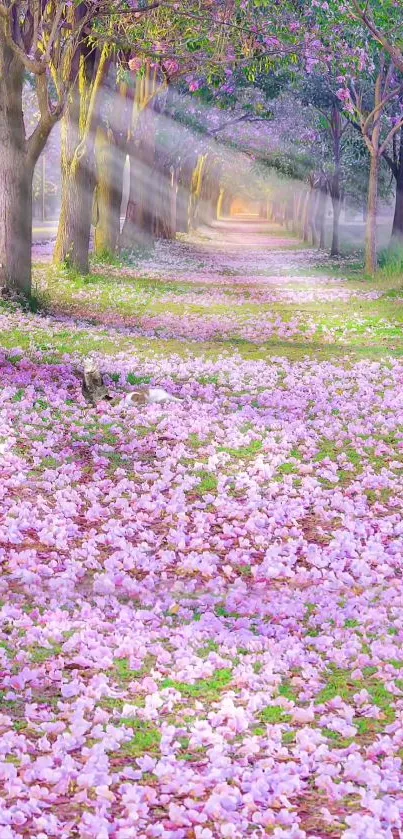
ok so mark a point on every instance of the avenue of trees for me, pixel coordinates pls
(312, 92)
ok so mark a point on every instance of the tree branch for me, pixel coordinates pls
(381, 106)
(391, 163)
(35, 67)
(390, 136)
(48, 118)
(394, 52)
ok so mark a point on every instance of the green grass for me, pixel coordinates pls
(390, 262)
(207, 689)
(145, 740)
(41, 654)
(251, 450)
(340, 683)
(138, 380)
(111, 289)
(286, 469)
(209, 647)
(208, 483)
(287, 691)
(123, 673)
(336, 740)
(274, 714)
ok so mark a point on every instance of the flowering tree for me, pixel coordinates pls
(378, 129)
(43, 39)
(155, 42)
(384, 21)
(199, 41)
(365, 62)
(200, 47)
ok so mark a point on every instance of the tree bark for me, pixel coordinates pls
(372, 140)
(110, 164)
(183, 196)
(311, 212)
(195, 191)
(16, 174)
(296, 207)
(74, 231)
(220, 204)
(78, 163)
(306, 214)
(139, 221)
(209, 192)
(320, 215)
(336, 206)
(15, 217)
(397, 228)
(110, 153)
(18, 157)
(289, 213)
(164, 226)
(335, 180)
(128, 238)
(138, 227)
(372, 207)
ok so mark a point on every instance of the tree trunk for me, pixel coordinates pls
(296, 205)
(183, 195)
(207, 207)
(373, 144)
(311, 213)
(364, 208)
(15, 216)
(320, 215)
(16, 174)
(78, 162)
(78, 184)
(138, 227)
(336, 206)
(220, 204)
(110, 152)
(128, 238)
(397, 229)
(289, 213)
(150, 99)
(306, 214)
(195, 191)
(74, 231)
(164, 226)
(370, 237)
(335, 194)
(110, 161)
(18, 157)
(182, 208)
(335, 180)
